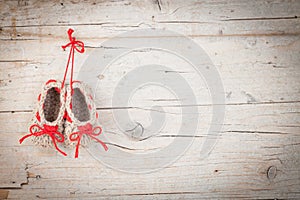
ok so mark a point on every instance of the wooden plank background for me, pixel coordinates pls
(255, 45)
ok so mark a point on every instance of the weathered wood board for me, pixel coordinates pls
(255, 46)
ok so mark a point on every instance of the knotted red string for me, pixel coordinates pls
(74, 46)
(46, 130)
(88, 130)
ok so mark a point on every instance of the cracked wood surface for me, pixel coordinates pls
(255, 46)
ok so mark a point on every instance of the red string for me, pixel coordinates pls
(88, 130)
(74, 46)
(47, 130)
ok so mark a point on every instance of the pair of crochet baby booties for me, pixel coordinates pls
(66, 114)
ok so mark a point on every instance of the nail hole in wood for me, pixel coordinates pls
(271, 172)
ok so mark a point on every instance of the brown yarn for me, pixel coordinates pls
(79, 106)
(52, 105)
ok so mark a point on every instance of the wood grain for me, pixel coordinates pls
(254, 45)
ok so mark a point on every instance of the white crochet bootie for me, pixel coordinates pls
(81, 117)
(47, 124)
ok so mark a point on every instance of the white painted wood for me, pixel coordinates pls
(251, 79)
(255, 46)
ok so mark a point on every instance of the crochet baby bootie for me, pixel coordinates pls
(47, 124)
(81, 117)
(55, 123)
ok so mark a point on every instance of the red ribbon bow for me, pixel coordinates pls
(47, 130)
(73, 42)
(88, 130)
(74, 46)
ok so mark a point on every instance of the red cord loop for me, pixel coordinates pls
(73, 42)
(88, 130)
(52, 131)
(75, 45)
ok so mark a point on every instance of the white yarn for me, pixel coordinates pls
(45, 140)
(71, 127)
